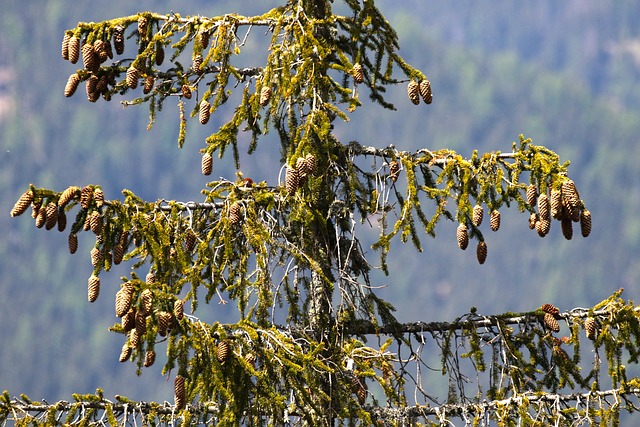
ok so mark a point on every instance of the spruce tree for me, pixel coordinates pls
(288, 253)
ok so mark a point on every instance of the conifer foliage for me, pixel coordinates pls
(288, 251)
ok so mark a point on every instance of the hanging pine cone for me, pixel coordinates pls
(551, 322)
(543, 226)
(141, 324)
(358, 76)
(23, 203)
(186, 91)
(207, 164)
(124, 297)
(149, 358)
(118, 39)
(533, 218)
(567, 228)
(101, 50)
(159, 54)
(197, 64)
(543, 206)
(494, 220)
(190, 240)
(95, 222)
(35, 209)
(125, 353)
(550, 308)
(205, 112)
(146, 302)
(62, 220)
(591, 328)
(118, 254)
(86, 196)
(310, 164)
(149, 81)
(394, 170)
(585, 223)
(103, 84)
(178, 309)
(96, 257)
(165, 319)
(265, 95)
(235, 213)
(531, 194)
(65, 46)
(132, 77)
(481, 252)
(413, 90)
(41, 218)
(90, 58)
(74, 49)
(478, 215)
(556, 204)
(98, 197)
(204, 39)
(72, 85)
(129, 320)
(425, 91)
(134, 338)
(302, 175)
(360, 389)
(142, 27)
(150, 279)
(92, 89)
(222, 352)
(52, 215)
(73, 243)
(251, 359)
(68, 195)
(292, 180)
(93, 288)
(179, 393)
(462, 236)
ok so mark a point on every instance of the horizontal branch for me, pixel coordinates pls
(19, 408)
(365, 327)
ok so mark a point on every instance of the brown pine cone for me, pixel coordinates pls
(196, 63)
(235, 213)
(413, 90)
(205, 112)
(165, 319)
(52, 215)
(68, 195)
(93, 288)
(543, 206)
(425, 91)
(41, 218)
(149, 81)
(146, 302)
(292, 180)
(125, 353)
(358, 75)
(74, 49)
(118, 39)
(62, 220)
(265, 95)
(531, 194)
(567, 228)
(159, 54)
(86, 197)
(585, 223)
(90, 58)
(124, 297)
(591, 328)
(462, 236)
(150, 279)
(550, 308)
(551, 322)
(72, 85)
(394, 170)
(478, 215)
(494, 220)
(178, 309)
(149, 358)
(129, 320)
(481, 252)
(207, 164)
(556, 204)
(23, 203)
(186, 91)
(73, 243)
(223, 351)
(179, 393)
(65, 46)
(132, 77)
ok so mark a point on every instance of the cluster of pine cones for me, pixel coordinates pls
(96, 50)
(462, 232)
(563, 204)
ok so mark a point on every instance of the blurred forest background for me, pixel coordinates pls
(566, 74)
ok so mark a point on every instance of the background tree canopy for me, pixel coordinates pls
(572, 92)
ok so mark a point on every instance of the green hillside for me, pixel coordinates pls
(565, 75)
